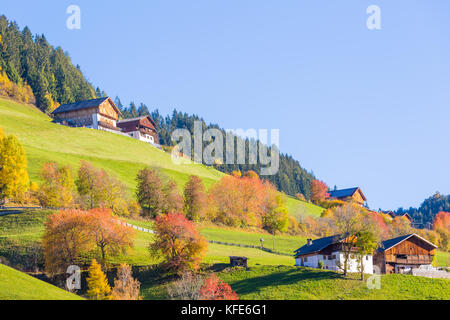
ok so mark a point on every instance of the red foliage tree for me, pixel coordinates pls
(178, 242)
(216, 289)
(319, 191)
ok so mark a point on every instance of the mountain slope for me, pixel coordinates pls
(120, 156)
(15, 285)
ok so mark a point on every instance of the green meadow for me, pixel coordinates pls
(15, 285)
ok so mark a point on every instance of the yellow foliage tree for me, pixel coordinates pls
(99, 288)
(14, 180)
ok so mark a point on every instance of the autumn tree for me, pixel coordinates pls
(157, 194)
(187, 287)
(347, 220)
(98, 287)
(239, 202)
(319, 191)
(366, 243)
(400, 226)
(194, 198)
(441, 226)
(88, 184)
(216, 289)
(71, 234)
(125, 286)
(173, 200)
(149, 192)
(14, 181)
(58, 187)
(97, 189)
(178, 243)
(66, 237)
(110, 237)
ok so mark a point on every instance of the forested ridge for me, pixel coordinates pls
(29, 61)
(428, 209)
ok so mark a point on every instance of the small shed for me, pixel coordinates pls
(238, 262)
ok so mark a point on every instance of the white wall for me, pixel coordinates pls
(313, 262)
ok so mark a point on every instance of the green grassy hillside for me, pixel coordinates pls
(293, 283)
(120, 156)
(15, 285)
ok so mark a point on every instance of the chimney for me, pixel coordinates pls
(310, 242)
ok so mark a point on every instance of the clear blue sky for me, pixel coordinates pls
(358, 107)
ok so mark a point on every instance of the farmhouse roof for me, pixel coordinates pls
(388, 244)
(344, 193)
(138, 119)
(318, 245)
(84, 105)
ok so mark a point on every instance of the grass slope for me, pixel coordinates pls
(292, 283)
(283, 243)
(120, 156)
(15, 285)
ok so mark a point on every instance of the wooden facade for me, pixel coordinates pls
(349, 195)
(142, 128)
(96, 113)
(410, 251)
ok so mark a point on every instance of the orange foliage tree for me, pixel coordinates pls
(319, 191)
(241, 202)
(216, 289)
(178, 243)
(110, 237)
(441, 225)
(71, 233)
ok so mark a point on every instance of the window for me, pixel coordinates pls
(334, 257)
(367, 258)
(324, 257)
(306, 259)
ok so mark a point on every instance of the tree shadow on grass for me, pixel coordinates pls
(281, 278)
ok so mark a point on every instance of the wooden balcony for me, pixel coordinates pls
(409, 260)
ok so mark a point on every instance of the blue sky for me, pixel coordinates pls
(357, 107)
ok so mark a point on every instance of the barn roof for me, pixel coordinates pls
(388, 244)
(344, 193)
(138, 119)
(318, 245)
(84, 105)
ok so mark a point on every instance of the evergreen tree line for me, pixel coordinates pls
(428, 209)
(29, 59)
(291, 177)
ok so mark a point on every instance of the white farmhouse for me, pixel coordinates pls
(329, 251)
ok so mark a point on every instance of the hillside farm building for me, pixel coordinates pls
(103, 114)
(99, 114)
(329, 252)
(404, 253)
(349, 195)
(142, 128)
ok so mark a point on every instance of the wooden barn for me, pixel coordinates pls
(404, 253)
(99, 114)
(350, 195)
(142, 128)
